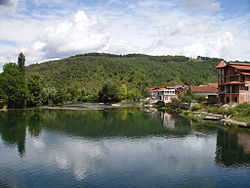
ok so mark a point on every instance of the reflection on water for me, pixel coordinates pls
(167, 120)
(118, 148)
(233, 147)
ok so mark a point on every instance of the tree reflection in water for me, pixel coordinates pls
(233, 147)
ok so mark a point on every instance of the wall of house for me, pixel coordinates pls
(168, 99)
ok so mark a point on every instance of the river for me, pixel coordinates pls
(124, 147)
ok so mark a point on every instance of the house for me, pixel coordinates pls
(233, 82)
(167, 94)
(209, 91)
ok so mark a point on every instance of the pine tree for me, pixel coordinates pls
(21, 62)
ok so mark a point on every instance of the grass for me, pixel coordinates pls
(242, 113)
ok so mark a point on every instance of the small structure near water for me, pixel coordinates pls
(209, 91)
(166, 94)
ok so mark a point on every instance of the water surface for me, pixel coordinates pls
(119, 148)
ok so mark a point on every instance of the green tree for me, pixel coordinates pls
(134, 95)
(123, 92)
(14, 86)
(21, 62)
(73, 93)
(109, 93)
(49, 95)
(35, 87)
(61, 97)
(187, 97)
(2, 94)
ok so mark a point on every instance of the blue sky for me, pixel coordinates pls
(52, 29)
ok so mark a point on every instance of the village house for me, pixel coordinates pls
(166, 94)
(209, 91)
(233, 82)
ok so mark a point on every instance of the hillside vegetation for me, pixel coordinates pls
(136, 71)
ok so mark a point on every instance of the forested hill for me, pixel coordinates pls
(91, 71)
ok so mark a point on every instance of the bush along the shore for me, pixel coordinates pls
(242, 113)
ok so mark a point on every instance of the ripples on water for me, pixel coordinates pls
(119, 148)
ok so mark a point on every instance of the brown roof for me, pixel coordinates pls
(236, 65)
(157, 89)
(213, 84)
(232, 83)
(240, 67)
(245, 73)
(240, 64)
(204, 89)
(222, 64)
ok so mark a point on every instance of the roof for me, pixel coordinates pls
(245, 73)
(240, 67)
(236, 65)
(213, 84)
(157, 89)
(232, 83)
(240, 64)
(204, 89)
(222, 64)
(177, 88)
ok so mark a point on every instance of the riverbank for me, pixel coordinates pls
(237, 115)
(214, 117)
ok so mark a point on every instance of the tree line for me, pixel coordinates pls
(19, 89)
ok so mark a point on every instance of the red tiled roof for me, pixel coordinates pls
(157, 89)
(213, 84)
(240, 64)
(222, 64)
(204, 89)
(245, 73)
(236, 65)
(240, 67)
(232, 83)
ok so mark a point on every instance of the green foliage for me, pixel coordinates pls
(134, 95)
(200, 99)
(242, 112)
(13, 86)
(187, 97)
(21, 62)
(109, 93)
(196, 107)
(35, 87)
(60, 97)
(136, 71)
(73, 94)
(49, 95)
(123, 92)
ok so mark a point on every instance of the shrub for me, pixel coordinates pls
(196, 107)
(214, 110)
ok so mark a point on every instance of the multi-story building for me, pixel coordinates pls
(166, 95)
(233, 82)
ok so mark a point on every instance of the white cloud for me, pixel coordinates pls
(215, 48)
(76, 35)
(153, 27)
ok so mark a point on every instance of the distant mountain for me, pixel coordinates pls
(91, 71)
